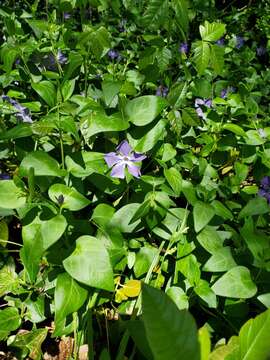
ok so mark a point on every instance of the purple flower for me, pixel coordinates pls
(162, 91)
(239, 41)
(202, 102)
(61, 58)
(4, 177)
(114, 55)
(265, 183)
(123, 158)
(183, 48)
(260, 50)
(220, 42)
(264, 190)
(66, 15)
(23, 114)
(223, 93)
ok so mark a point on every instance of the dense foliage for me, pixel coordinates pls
(135, 179)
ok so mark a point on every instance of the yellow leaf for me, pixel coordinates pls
(226, 170)
(132, 288)
(120, 296)
(3, 233)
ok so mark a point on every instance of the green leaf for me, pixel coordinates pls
(236, 129)
(42, 163)
(212, 31)
(137, 331)
(9, 320)
(210, 239)
(181, 14)
(256, 206)
(143, 139)
(99, 122)
(67, 89)
(121, 219)
(99, 42)
(174, 179)
(144, 109)
(202, 56)
(202, 214)
(236, 283)
(69, 296)
(110, 89)
(217, 58)
(221, 260)
(8, 278)
(254, 338)
(144, 259)
(32, 341)
(73, 200)
(178, 296)
(46, 90)
(163, 58)
(190, 268)
(203, 290)
(205, 342)
(38, 236)
(222, 210)
(156, 13)
(103, 214)
(172, 334)
(38, 26)
(11, 197)
(18, 131)
(90, 264)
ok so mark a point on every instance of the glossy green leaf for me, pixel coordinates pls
(103, 214)
(202, 214)
(202, 55)
(73, 200)
(236, 283)
(99, 122)
(90, 264)
(217, 58)
(38, 236)
(31, 341)
(174, 179)
(18, 131)
(9, 320)
(69, 296)
(42, 163)
(11, 197)
(205, 342)
(221, 260)
(203, 290)
(172, 334)
(178, 296)
(144, 109)
(212, 31)
(46, 90)
(236, 129)
(255, 206)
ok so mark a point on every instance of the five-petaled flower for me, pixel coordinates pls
(123, 158)
(264, 190)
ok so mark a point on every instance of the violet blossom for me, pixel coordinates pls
(202, 102)
(239, 41)
(261, 51)
(220, 42)
(162, 91)
(5, 177)
(264, 190)
(23, 114)
(114, 55)
(225, 92)
(123, 158)
(183, 48)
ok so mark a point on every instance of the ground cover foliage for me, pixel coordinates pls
(135, 179)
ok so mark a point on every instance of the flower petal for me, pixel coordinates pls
(136, 157)
(112, 158)
(124, 148)
(118, 171)
(134, 170)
